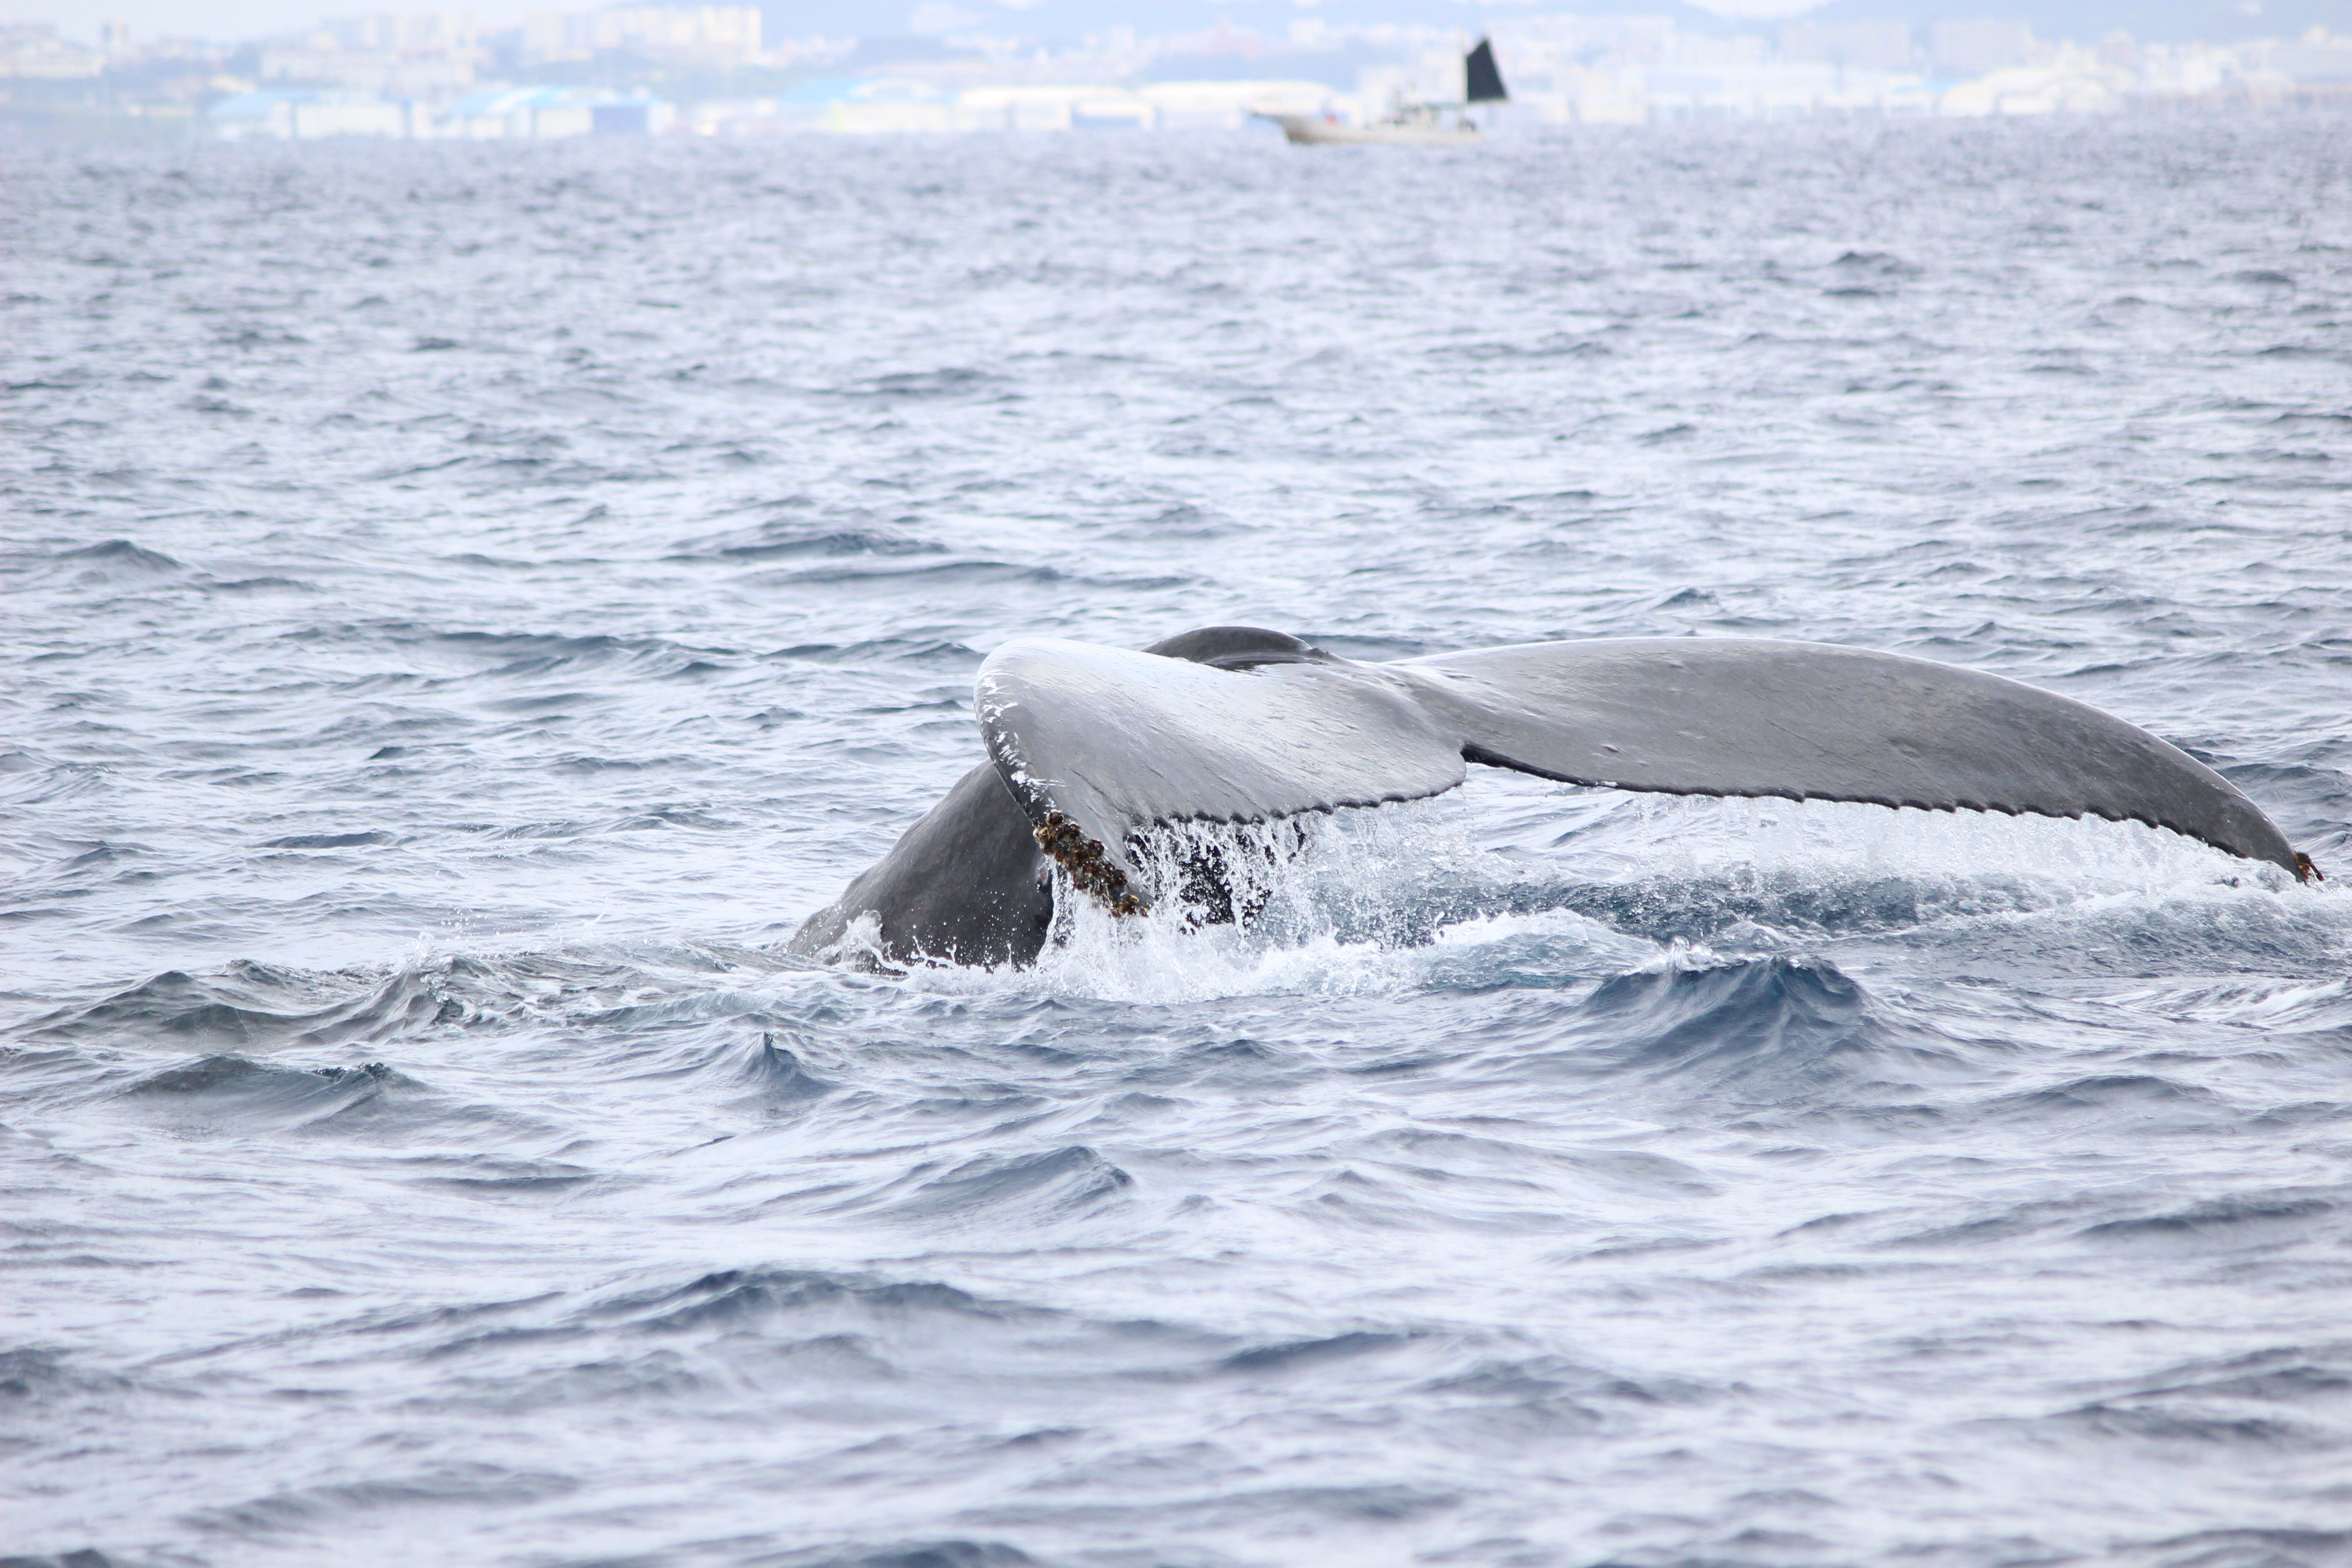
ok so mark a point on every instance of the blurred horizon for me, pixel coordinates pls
(1063, 22)
(558, 70)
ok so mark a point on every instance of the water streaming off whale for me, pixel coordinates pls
(467, 605)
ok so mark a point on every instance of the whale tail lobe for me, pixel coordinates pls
(1120, 742)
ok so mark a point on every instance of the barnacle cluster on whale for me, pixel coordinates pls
(1091, 871)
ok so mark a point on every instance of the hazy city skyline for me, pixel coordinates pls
(1065, 20)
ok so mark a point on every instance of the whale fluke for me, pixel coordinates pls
(1748, 716)
(1121, 741)
(1091, 748)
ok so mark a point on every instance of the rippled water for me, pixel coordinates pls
(464, 607)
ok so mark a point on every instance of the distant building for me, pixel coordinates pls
(1705, 51)
(392, 75)
(37, 52)
(306, 115)
(1533, 47)
(419, 54)
(403, 33)
(1978, 45)
(545, 112)
(1054, 107)
(301, 115)
(1866, 45)
(874, 105)
(2318, 58)
(412, 75)
(722, 33)
(867, 105)
(1594, 97)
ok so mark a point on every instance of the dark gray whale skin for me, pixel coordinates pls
(967, 884)
(1099, 745)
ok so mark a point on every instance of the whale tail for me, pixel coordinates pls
(1233, 724)
(1092, 749)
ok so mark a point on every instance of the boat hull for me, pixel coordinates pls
(1309, 130)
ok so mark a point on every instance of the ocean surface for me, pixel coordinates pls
(465, 605)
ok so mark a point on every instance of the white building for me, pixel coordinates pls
(1975, 45)
(303, 116)
(542, 113)
(390, 75)
(501, 113)
(1861, 45)
(37, 52)
(723, 34)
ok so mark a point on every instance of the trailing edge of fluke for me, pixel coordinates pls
(1092, 747)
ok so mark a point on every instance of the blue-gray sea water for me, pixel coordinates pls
(463, 605)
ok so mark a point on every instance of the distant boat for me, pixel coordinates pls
(1410, 124)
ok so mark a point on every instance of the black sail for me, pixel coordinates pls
(1483, 80)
